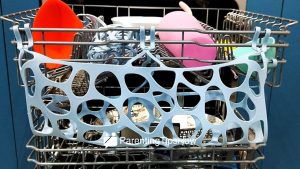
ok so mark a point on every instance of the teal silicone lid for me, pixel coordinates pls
(252, 54)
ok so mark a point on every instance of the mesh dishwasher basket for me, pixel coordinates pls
(79, 110)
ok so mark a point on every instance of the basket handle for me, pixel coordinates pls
(265, 40)
(264, 48)
(143, 38)
(19, 40)
(29, 36)
(20, 47)
(255, 38)
(146, 49)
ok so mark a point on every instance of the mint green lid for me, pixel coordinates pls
(252, 54)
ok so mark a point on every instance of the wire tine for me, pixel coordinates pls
(24, 17)
(19, 20)
(28, 15)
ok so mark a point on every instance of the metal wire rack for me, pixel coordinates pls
(237, 29)
(54, 152)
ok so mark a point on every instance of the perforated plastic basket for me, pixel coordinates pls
(63, 113)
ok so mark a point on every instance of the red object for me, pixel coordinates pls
(55, 14)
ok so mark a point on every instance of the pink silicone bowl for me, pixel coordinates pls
(183, 20)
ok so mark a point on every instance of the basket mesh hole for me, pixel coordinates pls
(138, 113)
(79, 109)
(26, 57)
(40, 123)
(80, 84)
(250, 104)
(251, 134)
(220, 138)
(136, 83)
(216, 112)
(165, 79)
(157, 113)
(167, 133)
(60, 73)
(30, 81)
(234, 134)
(165, 101)
(107, 84)
(152, 127)
(56, 100)
(237, 97)
(187, 125)
(130, 136)
(257, 131)
(95, 105)
(63, 124)
(92, 135)
(164, 105)
(91, 120)
(198, 78)
(112, 114)
(230, 77)
(242, 114)
(243, 106)
(208, 137)
(254, 83)
(187, 98)
(215, 107)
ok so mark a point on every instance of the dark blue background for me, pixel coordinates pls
(283, 145)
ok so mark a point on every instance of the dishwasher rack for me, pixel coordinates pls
(55, 152)
(237, 29)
